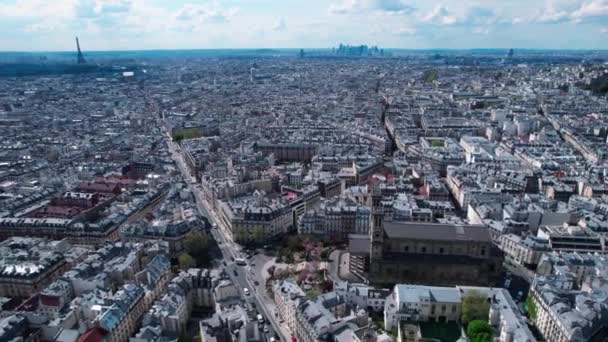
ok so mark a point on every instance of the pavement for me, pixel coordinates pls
(240, 275)
(339, 269)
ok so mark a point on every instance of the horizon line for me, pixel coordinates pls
(315, 48)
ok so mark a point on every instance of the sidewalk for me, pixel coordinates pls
(260, 273)
(339, 267)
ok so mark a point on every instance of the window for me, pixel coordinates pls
(406, 248)
(423, 249)
(483, 251)
(441, 250)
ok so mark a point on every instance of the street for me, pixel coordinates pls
(229, 249)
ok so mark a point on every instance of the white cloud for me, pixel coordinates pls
(604, 30)
(552, 13)
(440, 15)
(481, 30)
(380, 6)
(98, 8)
(38, 9)
(406, 31)
(591, 9)
(573, 11)
(198, 14)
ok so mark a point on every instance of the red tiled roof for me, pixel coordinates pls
(49, 300)
(93, 335)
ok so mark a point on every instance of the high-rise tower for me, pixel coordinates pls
(80, 57)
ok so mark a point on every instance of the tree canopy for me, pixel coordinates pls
(479, 331)
(196, 245)
(186, 261)
(475, 306)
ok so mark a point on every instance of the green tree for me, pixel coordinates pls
(477, 327)
(479, 331)
(324, 255)
(186, 261)
(475, 306)
(531, 307)
(483, 337)
(196, 244)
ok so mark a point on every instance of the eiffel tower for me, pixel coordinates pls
(81, 59)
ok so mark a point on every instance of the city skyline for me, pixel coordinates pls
(104, 25)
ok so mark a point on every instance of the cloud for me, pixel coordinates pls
(440, 15)
(280, 25)
(473, 17)
(406, 31)
(381, 6)
(37, 9)
(589, 10)
(200, 14)
(481, 30)
(392, 6)
(573, 11)
(551, 14)
(604, 30)
(100, 8)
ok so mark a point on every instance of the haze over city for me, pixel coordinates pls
(43, 25)
(303, 171)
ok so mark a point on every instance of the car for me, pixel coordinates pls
(246, 291)
(256, 283)
(266, 330)
(236, 273)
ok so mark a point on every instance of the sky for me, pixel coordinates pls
(50, 25)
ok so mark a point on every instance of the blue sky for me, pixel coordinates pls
(418, 24)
